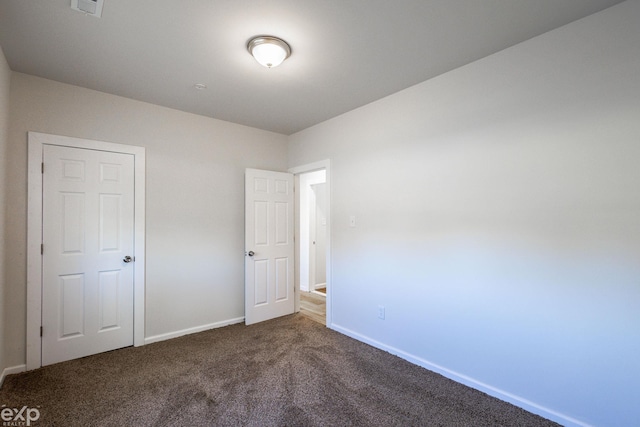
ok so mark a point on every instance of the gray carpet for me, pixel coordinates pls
(285, 372)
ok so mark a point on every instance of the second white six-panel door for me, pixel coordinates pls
(269, 245)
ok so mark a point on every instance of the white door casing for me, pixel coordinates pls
(88, 241)
(269, 245)
(108, 321)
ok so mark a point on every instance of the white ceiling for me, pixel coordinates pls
(346, 53)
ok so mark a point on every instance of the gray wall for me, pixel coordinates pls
(5, 81)
(195, 199)
(498, 220)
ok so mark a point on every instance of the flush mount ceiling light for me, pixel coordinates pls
(269, 51)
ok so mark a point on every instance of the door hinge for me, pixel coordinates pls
(42, 167)
(41, 248)
(40, 330)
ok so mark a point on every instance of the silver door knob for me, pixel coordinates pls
(251, 253)
(127, 259)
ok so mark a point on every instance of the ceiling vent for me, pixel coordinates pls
(88, 7)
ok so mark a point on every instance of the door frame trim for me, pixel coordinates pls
(296, 171)
(36, 142)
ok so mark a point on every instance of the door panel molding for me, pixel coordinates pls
(36, 143)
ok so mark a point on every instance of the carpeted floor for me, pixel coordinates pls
(289, 371)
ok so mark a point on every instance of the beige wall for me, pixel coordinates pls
(498, 221)
(195, 202)
(5, 80)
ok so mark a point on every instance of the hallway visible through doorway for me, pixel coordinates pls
(313, 248)
(313, 305)
(313, 241)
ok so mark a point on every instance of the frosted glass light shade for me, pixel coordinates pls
(269, 51)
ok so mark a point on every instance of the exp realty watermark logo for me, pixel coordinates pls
(18, 416)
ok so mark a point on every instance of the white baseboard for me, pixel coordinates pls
(468, 381)
(193, 330)
(11, 370)
(319, 286)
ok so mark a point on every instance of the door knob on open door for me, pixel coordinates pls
(127, 259)
(251, 253)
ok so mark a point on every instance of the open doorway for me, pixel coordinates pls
(312, 241)
(313, 225)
